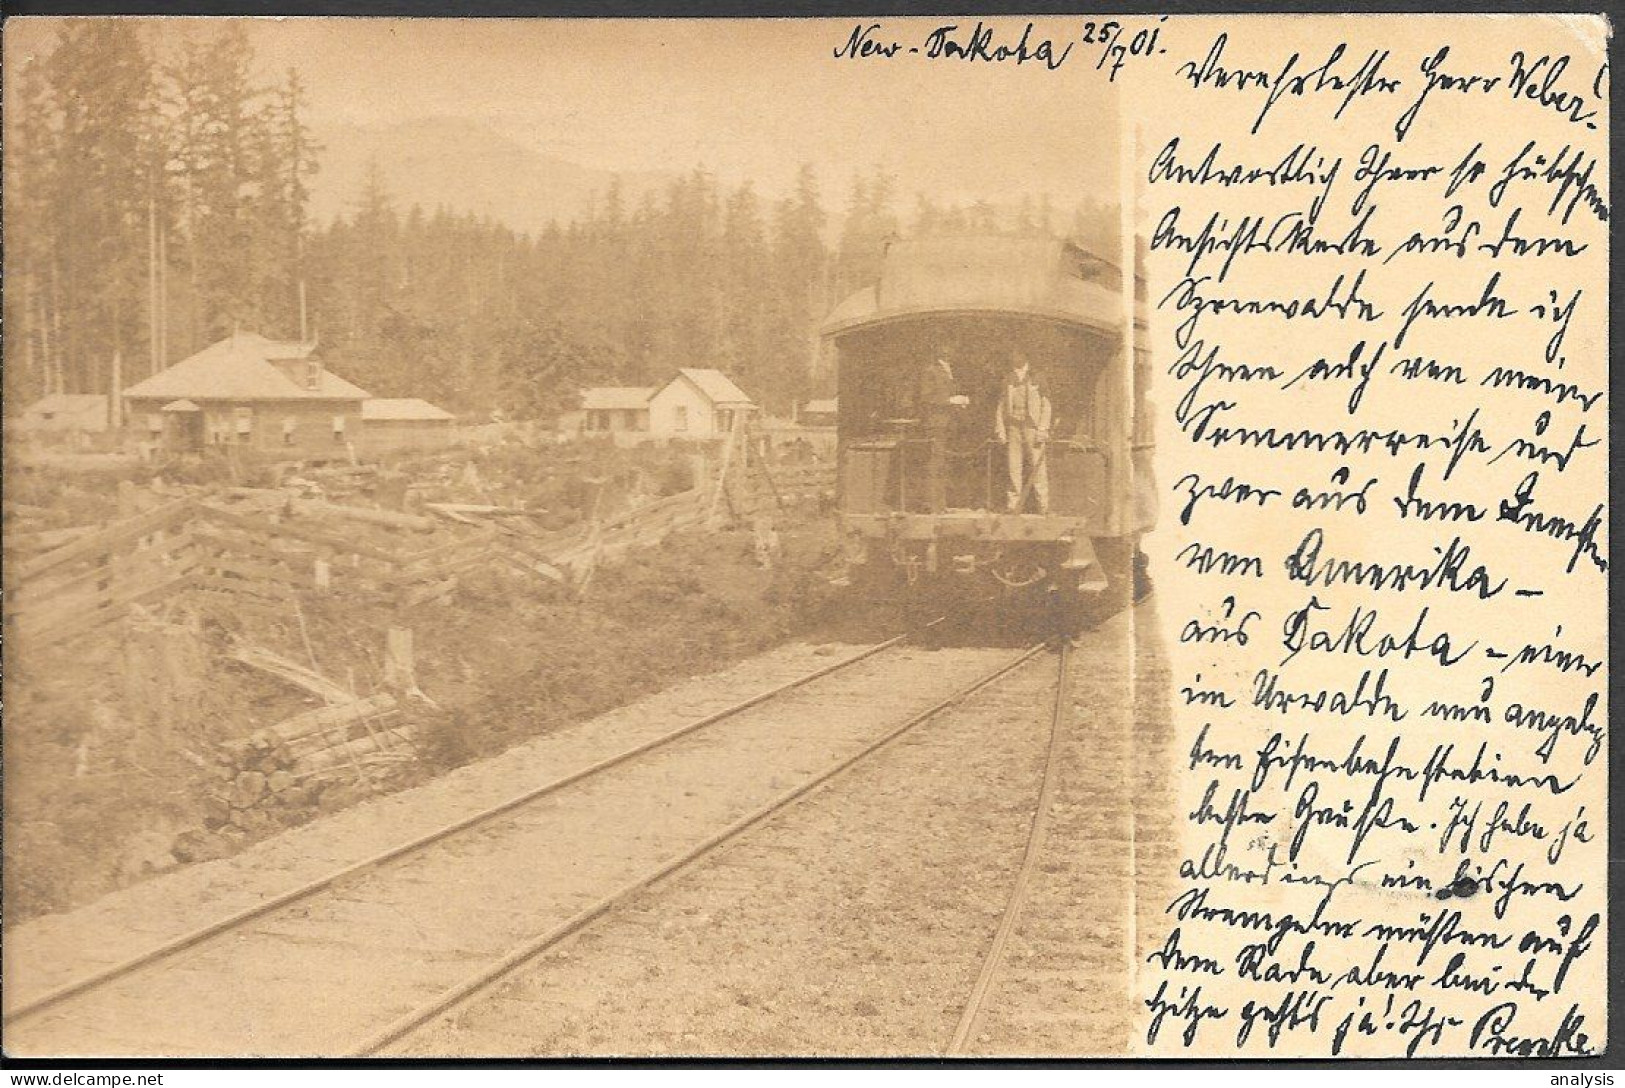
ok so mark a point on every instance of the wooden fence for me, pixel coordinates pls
(97, 577)
(253, 563)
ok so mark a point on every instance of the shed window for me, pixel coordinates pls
(289, 424)
(338, 428)
(243, 421)
(679, 420)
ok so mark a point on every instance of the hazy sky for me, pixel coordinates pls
(743, 98)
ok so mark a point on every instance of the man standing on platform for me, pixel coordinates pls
(1022, 425)
(935, 398)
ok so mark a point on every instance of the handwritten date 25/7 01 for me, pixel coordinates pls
(1117, 43)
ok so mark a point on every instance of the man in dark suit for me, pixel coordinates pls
(935, 398)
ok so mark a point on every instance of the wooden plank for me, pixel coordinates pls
(99, 580)
(105, 540)
(545, 546)
(694, 496)
(247, 568)
(453, 515)
(429, 572)
(260, 590)
(115, 609)
(268, 528)
(485, 539)
(322, 720)
(689, 510)
(477, 546)
(94, 596)
(389, 518)
(539, 567)
(247, 544)
(767, 474)
(46, 539)
(274, 664)
(59, 586)
(452, 566)
(720, 491)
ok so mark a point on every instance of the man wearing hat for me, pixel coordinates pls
(935, 398)
(1022, 426)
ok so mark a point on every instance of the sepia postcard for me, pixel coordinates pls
(971, 537)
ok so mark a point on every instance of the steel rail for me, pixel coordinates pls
(976, 1004)
(185, 941)
(459, 994)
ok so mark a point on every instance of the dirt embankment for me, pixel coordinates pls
(105, 785)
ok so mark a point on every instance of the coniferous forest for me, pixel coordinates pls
(156, 199)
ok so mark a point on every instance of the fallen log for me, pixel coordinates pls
(315, 508)
(451, 515)
(334, 540)
(355, 750)
(534, 566)
(258, 657)
(478, 508)
(292, 731)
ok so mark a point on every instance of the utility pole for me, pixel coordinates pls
(152, 281)
(163, 295)
(117, 391)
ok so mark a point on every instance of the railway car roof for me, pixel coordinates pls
(1035, 277)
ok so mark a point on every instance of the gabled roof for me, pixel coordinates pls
(616, 398)
(401, 408)
(243, 367)
(717, 386)
(82, 411)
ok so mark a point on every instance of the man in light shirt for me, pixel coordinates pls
(1022, 426)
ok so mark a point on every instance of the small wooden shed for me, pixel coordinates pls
(404, 423)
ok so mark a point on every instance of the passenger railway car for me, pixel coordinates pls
(980, 300)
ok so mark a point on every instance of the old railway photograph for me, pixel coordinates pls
(572, 539)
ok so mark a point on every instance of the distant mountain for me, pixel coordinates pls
(464, 165)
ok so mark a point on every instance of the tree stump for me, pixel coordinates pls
(164, 670)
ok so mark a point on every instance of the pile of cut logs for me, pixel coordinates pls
(275, 773)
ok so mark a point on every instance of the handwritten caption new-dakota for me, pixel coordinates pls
(1112, 44)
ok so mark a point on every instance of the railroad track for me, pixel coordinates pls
(482, 980)
(210, 990)
(1056, 977)
(993, 962)
(859, 922)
